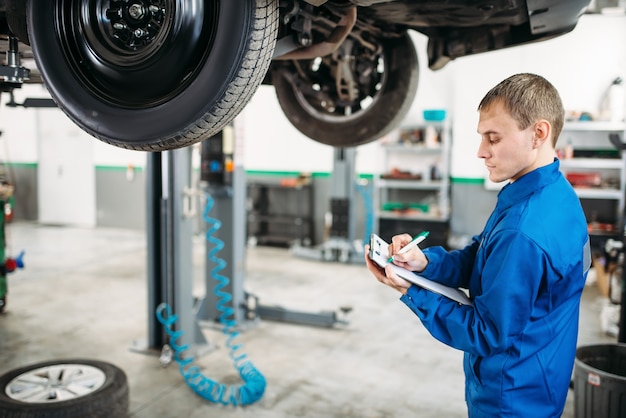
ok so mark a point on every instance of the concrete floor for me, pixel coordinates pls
(82, 294)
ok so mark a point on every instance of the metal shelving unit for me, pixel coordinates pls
(418, 196)
(594, 154)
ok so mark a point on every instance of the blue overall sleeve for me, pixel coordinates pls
(451, 268)
(506, 288)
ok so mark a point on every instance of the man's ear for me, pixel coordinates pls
(541, 133)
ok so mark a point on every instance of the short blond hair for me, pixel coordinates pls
(528, 98)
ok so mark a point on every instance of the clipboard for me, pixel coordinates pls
(379, 253)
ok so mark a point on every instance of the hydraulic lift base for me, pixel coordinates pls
(325, 319)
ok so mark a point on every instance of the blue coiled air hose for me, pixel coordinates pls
(254, 382)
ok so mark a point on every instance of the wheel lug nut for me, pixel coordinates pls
(139, 33)
(136, 11)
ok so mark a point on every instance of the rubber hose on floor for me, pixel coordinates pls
(254, 382)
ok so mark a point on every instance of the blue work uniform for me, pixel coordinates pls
(525, 274)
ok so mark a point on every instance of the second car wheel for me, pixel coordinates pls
(353, 96)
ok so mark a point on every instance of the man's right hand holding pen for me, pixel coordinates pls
(412, 259)
(405, 252)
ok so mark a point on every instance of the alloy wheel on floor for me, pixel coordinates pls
(64, 388)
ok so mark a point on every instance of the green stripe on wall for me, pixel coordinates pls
(23, 165)
(318, 174)
(467, 180)
(98, 167)
(289, 174)
(462, 180)
(116, 168)
(276, 173)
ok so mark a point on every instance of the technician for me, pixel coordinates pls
(525, 272)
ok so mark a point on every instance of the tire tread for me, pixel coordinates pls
(255, 63)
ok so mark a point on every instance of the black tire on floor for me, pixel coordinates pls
(33, 391)
(152, 77)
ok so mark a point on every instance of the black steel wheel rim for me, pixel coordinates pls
(317, 75)
(135, 53)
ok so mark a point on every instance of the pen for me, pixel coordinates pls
(421, 237)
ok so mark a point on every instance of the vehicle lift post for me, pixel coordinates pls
(228, 189)
(224, 180)
(340, 245)
(169, 248)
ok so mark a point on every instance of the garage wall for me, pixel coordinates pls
(121, 197)
(43, 146)
(581, 64)
(19, 155)
(24, 176)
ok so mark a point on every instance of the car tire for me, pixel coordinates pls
(30, 391)
(152, 78)
(390, 102)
